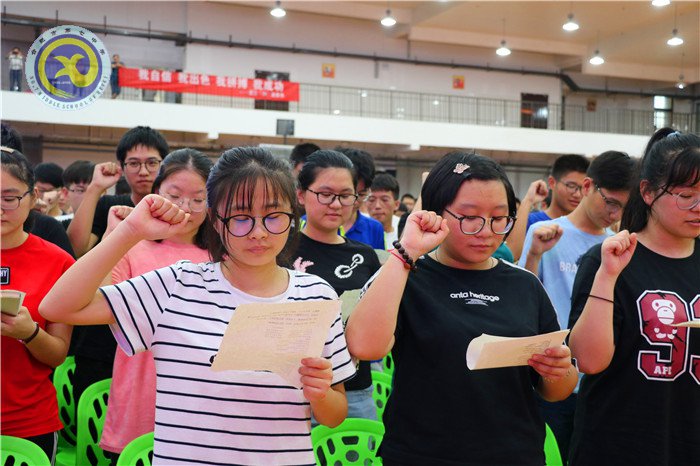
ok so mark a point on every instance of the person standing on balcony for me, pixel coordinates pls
(114, 78)
(16, 62)
(564, 182)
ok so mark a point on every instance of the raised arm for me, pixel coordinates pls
(79, 231)
(592, 338)
(543, 238)
(75, 298)
(536, 193)
(370, 329)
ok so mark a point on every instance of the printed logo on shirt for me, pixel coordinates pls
(4, 276)
(345, 271)
(567, 267)
(300, 264)
(475, 298)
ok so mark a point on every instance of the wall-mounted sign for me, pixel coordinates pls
(458, 82)
(328, 70)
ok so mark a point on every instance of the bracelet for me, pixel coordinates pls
(601, 298)
(405, 258)
(33, 335)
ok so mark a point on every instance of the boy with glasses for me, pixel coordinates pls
(49, 184)
(553, 248)
(76, 178)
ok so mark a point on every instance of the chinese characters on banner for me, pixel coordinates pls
(172, 81)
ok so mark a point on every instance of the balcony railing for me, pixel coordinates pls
(414, 106)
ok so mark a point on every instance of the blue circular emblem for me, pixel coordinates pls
(68, 67)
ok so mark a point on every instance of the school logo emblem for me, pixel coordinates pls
(68, 67)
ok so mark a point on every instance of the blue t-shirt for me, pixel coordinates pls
(538, 216)
(367, 230)
(558, 266)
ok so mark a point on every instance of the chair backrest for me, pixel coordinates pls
(388, 364)
(92, 409)
(63, 381)
(552, 456)
(21, 452)
(139, 452)
(382, 389)
(354, 442)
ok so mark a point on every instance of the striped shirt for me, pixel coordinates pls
(181, 313)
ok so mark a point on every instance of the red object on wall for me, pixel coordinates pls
(195, 83)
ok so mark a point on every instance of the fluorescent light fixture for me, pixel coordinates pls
(675, 39)
(278, 11)
(503, 50)
(596, 59)
(660, 3)
(570, 25)
(388, 20)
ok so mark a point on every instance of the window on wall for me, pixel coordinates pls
(663, 111)
(533, 110)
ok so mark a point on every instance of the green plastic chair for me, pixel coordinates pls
(552, 456)
(63, 381)
(388, 364)
(139, 452)
(354, 442)
(92, 408)
(382, 389)
(21, 452)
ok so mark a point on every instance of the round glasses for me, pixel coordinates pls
(571, 187)
(134, 166)
(12, 202)
(195, 204)
(686, 200)
(328, 198)
(473, 224)
(241, 224)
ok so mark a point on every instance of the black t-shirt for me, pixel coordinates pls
(440, 412)
(644, 408)
(96, 341)
(51, 230)
(345, 266)
(99, 222)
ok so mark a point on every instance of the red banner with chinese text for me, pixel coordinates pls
(173, 81)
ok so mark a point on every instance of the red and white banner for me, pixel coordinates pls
(173, 81)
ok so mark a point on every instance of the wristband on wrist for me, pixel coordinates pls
(601, 298)
(33, 335)
(403, 256)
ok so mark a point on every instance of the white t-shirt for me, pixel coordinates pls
(391, 236)
(180, 313)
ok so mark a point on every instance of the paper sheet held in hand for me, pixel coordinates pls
(11, 301)
(488, 351)
(276, 337)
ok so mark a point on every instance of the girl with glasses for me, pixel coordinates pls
(181, 313)
(132, 397)
(639, 401)
(440, 412)
(32, 346)
(327, 184)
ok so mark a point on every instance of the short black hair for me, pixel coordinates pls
(49, 172)
(568, 163)
(409, 195)
(612, 170)
(301, 152)
(141, 136)
(79, 171)
(324, 159)
(363, 162)
(11, 138)
(386, 182)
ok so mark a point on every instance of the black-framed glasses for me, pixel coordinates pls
(134, 166)
(241, 224)
(12, 202)
(611, 205)
(571, 187)
(328, 198)
(473, 224)
(195, 204)
(686, 200)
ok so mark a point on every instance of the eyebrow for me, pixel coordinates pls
(328, 188)
(10, 191)
(466, 206)
(135, 159)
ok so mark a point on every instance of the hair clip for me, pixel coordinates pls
(460, 167)
(675, 133)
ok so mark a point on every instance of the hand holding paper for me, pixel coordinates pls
(488, 351)
(276, 337)
(11, 301)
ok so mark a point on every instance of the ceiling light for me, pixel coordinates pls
(278, 11)
(503, 50)
(436, 102)
(388, 20)
(681, 82)
(660, 2)
(570, 25)
(675, 39)
(596, 59)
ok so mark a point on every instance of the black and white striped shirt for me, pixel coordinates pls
(181, 313)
